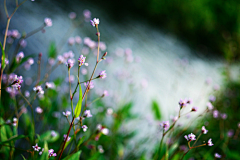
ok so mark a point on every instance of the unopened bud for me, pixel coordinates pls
(98, 33)
(104, 55)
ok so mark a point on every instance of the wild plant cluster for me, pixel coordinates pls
(42, 118)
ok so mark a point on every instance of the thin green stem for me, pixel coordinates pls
(22, 3)
(66, 138)
(87, 88)
(71, 97)
(34, 32)
(98, 34)
(70, 89)
(198, 146)
(81, 83)
(6, 31)
(94, 100)
(4, 44)
(5, 8)
(39, 69)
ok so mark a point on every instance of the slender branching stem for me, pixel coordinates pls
(5, 36)
(34, 32)
(94, 100)
(70, 92)
(39, 68)
(198, 146)
(5, 8)
(98, 34)
(87, 89)
(197, 139)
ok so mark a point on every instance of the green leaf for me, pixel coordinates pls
(94, 156)
(44, 155)
(233, 154)
(73, 156)
(13, 138)
(47, 136)
(155, 110)
(23, 157)
(3, 137)
(176, 157)
(52, 51)
(3, 56)
(80, 141)
(79, 104)
(173, 149)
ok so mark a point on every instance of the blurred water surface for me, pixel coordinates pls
(163, 68)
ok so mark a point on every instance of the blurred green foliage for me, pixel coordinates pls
(211, 26)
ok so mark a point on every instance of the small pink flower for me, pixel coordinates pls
(50, 85)
(15, 34)
(67, 113)
(70, 63)
(61, 59)
(216, 155)
(23, 43)
(84, 127)
(204, 130)
(215, 113)
(65, 136)
(100, 149)
(48, 22)
(15, 121)
(53, 133)
(102, 74)
(39, 110)
(209, 106)
(90, 86)
(40, 153)
(17, 82)
(36, 148)
(190, 137)
(87, 114)
(72, 15)
(182, 103)
(105, 93)
(109, 111)
(78, 40)
(19, 56)
(87, 14)
(224, 116)
(50, 153)
(81, 61)
(105, 131)
(38, 90)
(209, 143)
(165, 125)
(95, 22)
(71, 41)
